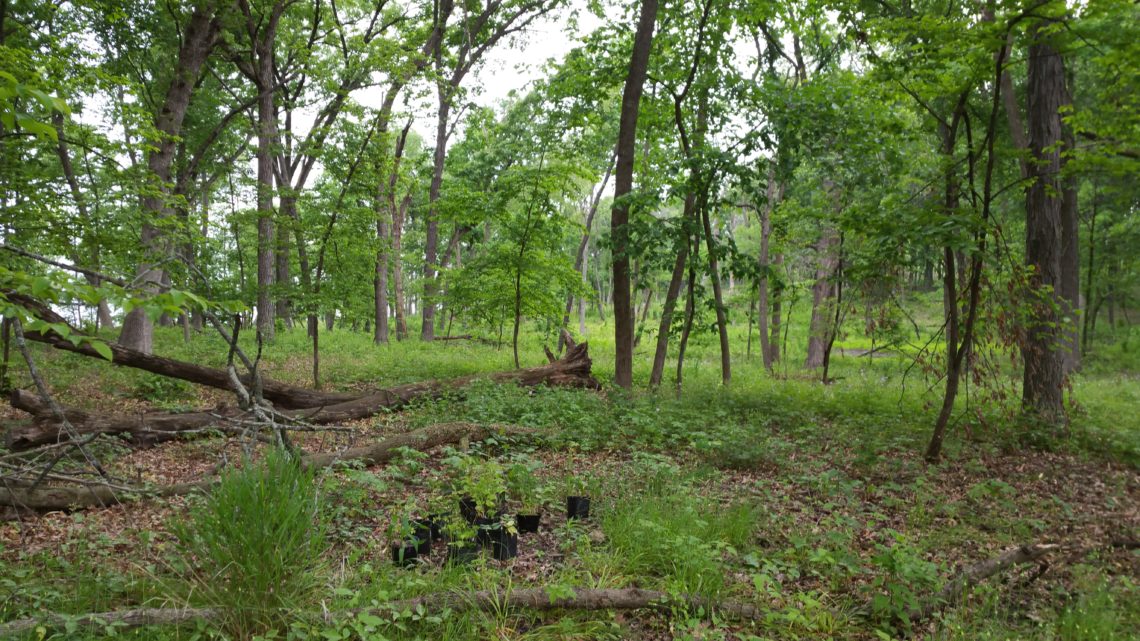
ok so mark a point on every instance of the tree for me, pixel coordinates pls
(1042, 348)
(201, 34)
(623, 186)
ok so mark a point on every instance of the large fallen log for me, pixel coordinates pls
(525, 599)
(280, 394)
(572, 370)
(47, 498)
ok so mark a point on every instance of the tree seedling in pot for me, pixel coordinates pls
(526, 492)
(577, 503)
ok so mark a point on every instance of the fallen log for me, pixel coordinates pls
(572, 370)
(48, 498)
(280, 394)
(528, 599)
(967, 578)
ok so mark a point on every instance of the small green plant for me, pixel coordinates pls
(168, 393)
(906, 576)
(255, 545)
(524, 488)
(483, 481)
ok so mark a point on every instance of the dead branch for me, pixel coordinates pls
(967, 578)
(47, 498)
(525, 599)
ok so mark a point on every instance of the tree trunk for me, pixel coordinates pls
(718, 299)
(822, 293)
(381, 282)
(1042, 348)
(431, 243)
(198, 41)
(676, 279)
(266, 138)
(775, 194)
(777, 312)
(401, 304)
(283, 306)
(580, 257)
(623, 185)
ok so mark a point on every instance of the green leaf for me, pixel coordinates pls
(103, 349)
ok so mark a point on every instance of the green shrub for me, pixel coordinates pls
(255, 545)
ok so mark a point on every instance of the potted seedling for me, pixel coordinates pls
(525, 491)
(481, 489)
(461, 545)
(505, 540)
(577, 503)
(402, 537)
(438, 512)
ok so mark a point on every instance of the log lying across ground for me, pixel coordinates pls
(45, 498)
(280, 394)
(970, 576)
(572, 370)
(525, 599)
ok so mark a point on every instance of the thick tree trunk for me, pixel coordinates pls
(822, 293)
(1042, 348)
(623, 185)
(775, 194)
(573, 370)
(198, 41)
(431, 242)
(266, 137)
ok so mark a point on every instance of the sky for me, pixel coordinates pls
(511, 66)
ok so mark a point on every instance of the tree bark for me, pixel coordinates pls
(1043, 380)
(775, 192)
(623, 185)
(676, 279)
(199, 38)
(822, 293)
(718, 298)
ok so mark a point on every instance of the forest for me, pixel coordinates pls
(570, 319)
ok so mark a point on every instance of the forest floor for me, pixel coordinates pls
(809, 501)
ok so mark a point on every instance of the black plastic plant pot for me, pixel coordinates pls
(528, 523)
(462, 553)
(435, 522)
(468, 509)
(504, 545)
(577, 507)
(404, 554)
(422, 535)
(486, 529)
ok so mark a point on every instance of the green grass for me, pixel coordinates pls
(765, 490)
(253, 547)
